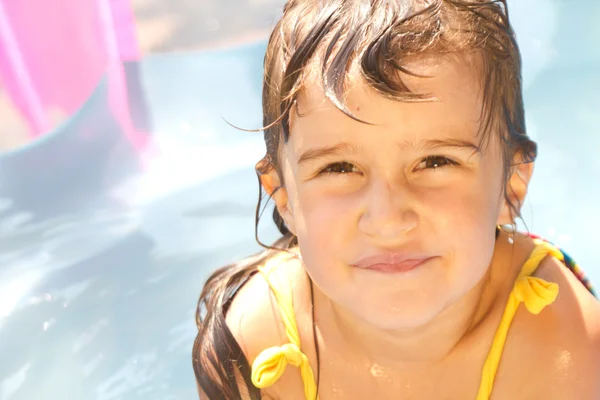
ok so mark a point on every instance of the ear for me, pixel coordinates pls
(273, 186)
(516, 190)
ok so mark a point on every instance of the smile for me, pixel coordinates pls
(392, 262)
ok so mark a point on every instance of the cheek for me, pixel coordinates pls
(469, 205)
(463, 217)
(326, 219)
(326, 224)
(464, 208)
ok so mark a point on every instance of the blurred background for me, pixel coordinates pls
(121, 186)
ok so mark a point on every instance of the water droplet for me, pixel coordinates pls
(337, 392)
(563, 360)
(377, 371)
(395, 309)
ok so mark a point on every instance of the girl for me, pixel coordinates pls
(398, 161)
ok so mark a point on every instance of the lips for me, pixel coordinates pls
(392, 262)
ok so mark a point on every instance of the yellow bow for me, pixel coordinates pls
(270, 364)
(535, 293)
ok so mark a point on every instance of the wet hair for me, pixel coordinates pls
(328, 40)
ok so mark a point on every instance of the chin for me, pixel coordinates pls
(402, 321)
(397, 315)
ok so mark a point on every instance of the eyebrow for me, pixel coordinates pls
(349, 148)
(320, 152)
(434, 144)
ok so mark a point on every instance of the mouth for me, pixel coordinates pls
(392, 263)
(403, 266)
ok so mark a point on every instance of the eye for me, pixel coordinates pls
(339, 168)
(434, 162)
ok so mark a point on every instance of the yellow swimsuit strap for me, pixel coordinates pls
(270, 364)
(535, 293)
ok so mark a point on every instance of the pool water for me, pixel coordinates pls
(100, 272)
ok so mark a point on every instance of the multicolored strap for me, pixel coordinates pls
(571, 264)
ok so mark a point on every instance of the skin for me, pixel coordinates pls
(390, 336)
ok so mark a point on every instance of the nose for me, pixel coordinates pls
(388, 214)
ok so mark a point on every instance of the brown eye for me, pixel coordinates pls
(434, 162)
(339, 168)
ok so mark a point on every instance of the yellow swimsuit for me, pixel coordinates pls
(534, 292)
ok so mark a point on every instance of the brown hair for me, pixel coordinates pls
(372, 37)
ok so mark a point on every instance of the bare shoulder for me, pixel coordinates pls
(254, 316)
(575, 308)
(568, 338)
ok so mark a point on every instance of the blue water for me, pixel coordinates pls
(103, 251)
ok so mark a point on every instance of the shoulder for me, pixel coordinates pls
(576, 310)
(566, 338)
(254, 317)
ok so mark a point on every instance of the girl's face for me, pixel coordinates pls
(411, 186)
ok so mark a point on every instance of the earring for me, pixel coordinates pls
(510, 229)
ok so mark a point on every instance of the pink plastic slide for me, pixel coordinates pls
(54, 53)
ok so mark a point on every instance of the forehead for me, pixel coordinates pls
(454, 82)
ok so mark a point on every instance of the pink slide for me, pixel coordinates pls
(54, 53)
